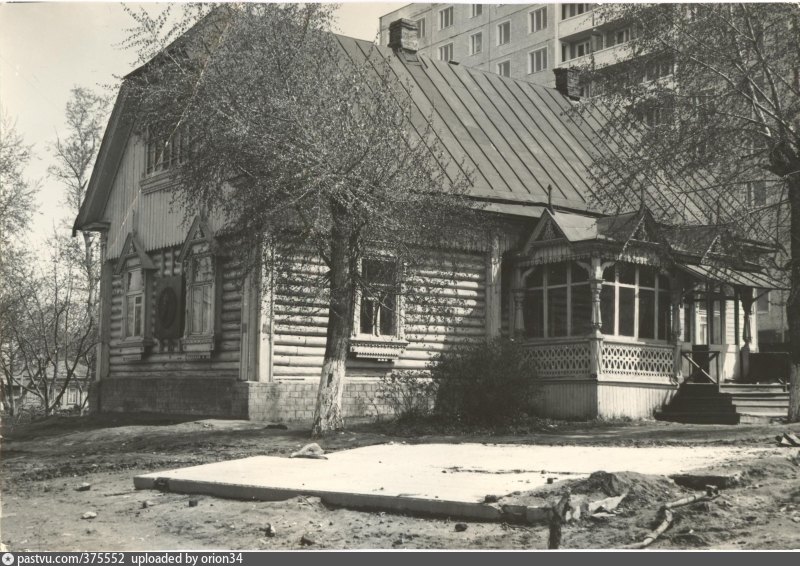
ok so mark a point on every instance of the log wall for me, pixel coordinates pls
(165, 360)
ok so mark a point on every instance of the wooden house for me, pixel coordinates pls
(616, 310)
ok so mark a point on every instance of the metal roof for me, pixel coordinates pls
(734, 277)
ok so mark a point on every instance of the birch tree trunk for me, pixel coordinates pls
(328, 411)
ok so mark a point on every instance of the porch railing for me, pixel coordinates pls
(636, 360)
(568, 358)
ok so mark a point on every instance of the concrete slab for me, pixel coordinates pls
(440, 479)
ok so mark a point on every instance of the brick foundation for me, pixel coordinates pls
(228, 398)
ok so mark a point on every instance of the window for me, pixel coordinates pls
(572, 10)
(635, 302)
(477, 10)
(201, 296)
(446, 18)
(503, 33)
(618, 37)
(504, 69)
(446, 52)
(757, 193)
(163, 154)
(538, 60)
(475, 43)
(420, 28)
(134, 303)
(762, 303)
(658, 69)
(379, 297)
(537, 20)
(558, 301)
(576, 49)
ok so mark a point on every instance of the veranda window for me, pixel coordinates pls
(134, 304)
(635, 302)
(378, 314)
(557, 301)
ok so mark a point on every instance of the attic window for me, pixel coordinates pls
(165, 153)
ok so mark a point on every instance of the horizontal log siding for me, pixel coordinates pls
(165, 359)
(450, 310)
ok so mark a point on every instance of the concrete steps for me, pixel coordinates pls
(729, 404)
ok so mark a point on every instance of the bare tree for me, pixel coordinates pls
(17, 203)
(300, 143)
(701, 113)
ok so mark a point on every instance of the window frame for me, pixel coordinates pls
(138, 311)
(503, 35)
(421, 31)
(532, 60)
(447, 47)
(472, 50)
(659, 294)
(573, 10)
(393, 288)
(446, 18)
(539, 15)
(500, 65)
(476, 11)
(206, 285)
(545, 289)
(155, 163)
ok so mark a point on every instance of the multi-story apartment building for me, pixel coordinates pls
(523, 41)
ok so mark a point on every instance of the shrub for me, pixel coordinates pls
(410, 394)
(487, 383)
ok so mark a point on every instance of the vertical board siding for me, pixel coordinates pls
(165, 359)
(566, 399)
(444, 304)
(157, 223)
(632, 400)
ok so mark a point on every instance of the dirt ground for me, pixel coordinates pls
(43, 463)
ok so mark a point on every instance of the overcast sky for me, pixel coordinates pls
(46, 49)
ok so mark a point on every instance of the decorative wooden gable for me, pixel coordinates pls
(199, 239)
(133, 249)
(546, 231)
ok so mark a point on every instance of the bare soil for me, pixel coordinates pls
(43, 463)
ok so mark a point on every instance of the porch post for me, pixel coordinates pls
(518, 321)
(596, 337)
(746, 296)
(676, 300)
(493, 299)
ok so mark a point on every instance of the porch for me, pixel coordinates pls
(617, 318)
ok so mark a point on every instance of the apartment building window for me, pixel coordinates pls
(503, 33)
(757, 193)
(477, 10)
(576, 49)
(762, 303)
(658, 69)
(538, 60)
(504, 68)
(572, 10)
(446, 52)
(446, 18)
(475, 43)
(420, 28)
(618, 37)
(538, 19)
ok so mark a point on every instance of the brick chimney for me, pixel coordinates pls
(403, 34)
(568, 82)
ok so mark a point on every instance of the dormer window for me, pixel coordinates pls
(163, 153)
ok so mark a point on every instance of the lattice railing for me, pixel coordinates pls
(643, 361)
(561, 359)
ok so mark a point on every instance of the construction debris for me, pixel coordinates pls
(788, 439)
(313, 451)
(89, 515)
(461, 527)
(83, 487)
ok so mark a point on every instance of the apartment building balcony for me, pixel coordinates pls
(602, 57)
(576, 25)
